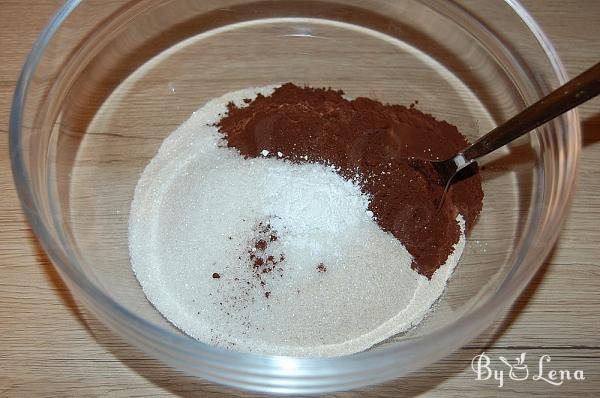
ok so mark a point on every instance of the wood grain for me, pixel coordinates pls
(49, 346)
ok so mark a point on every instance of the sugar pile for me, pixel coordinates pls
(268, 256)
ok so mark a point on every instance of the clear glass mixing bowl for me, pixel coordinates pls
(107, 81)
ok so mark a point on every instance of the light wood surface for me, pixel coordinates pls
(49, 346)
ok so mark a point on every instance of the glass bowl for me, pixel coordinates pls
(106, 82)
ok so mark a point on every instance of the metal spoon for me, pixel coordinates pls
(573, 93)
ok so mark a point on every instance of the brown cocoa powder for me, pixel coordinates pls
(376, 142)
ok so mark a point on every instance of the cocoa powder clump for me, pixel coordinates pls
(377, 142)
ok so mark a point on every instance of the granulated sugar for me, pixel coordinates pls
(268, 256)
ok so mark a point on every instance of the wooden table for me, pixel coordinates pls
(50, 347)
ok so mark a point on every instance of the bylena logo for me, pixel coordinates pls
(518, 370)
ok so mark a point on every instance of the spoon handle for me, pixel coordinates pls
(568, 96)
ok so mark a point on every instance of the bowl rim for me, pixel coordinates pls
(276, 373)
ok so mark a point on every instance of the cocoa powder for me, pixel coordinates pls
(378, 143)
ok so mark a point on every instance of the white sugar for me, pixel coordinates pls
(340, 285)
